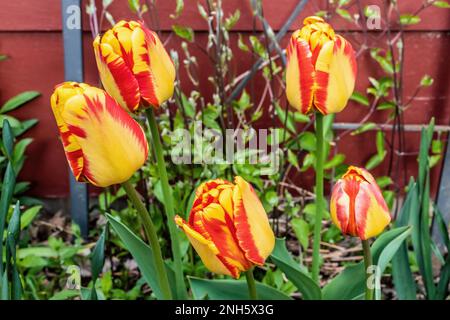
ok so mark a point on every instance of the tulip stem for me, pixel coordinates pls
(319, 197)
(367, 264)
(152, 238)
(251, 284)
(168, 204)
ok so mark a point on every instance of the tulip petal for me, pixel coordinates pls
(72, 149)
(339, 204)
(299, 75)
(253, 229)
(335, 76)
(375, 213)
(205, 248)
(116, 75)
(113, 144)
(220, 229)
(153, 68)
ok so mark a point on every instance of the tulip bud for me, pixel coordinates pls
(321, 68)
(103, 144)
(357, 205)
(228, 227)
(134, 67)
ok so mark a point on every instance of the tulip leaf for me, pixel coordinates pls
(141, 253)
(281, 257)
(350, 283)
(404, 283)
(231, 290)
(98, 260)
(386, 256)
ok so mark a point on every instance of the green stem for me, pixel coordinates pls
(251, 284)
(319, 197)
(152, 238)
(168, 204)
(367, 264)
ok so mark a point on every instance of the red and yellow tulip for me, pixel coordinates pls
(134, 67)
(357, 205)
(321, 68)
(103, 144)
(228, 227)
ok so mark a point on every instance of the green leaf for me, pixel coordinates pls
(360, 98)
(141, 253)
(386, 105)
(282, 114)
(65, 294)
(98, 255)
(386, 256)
(231, 290)
(363, 128)
(3, 57)
(308, 141)
(185, 33)
(19, 100)
(426, 81)
(7, 190)
(8, 139)
(281, 257)
(380, 143)
(23, 126)
(242, 45)
(402, 276)
(408, 19)
(441, 4)
(19, 149)
(231, 21)
(28, 216)
(301, 230)
(134, 5)
(300, 117)
(292, 158)
(384, 181)
(350, 283)
(344, 14)
(335, 161)
(178, 9)
(375, 160)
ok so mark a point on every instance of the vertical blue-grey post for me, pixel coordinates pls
(443, 198)
(73, 71)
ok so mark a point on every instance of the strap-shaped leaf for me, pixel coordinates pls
(231, 290)
(404, 283)
(141, 253)
(350, 283)
(281, 257)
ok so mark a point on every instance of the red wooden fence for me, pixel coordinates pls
(30, 34)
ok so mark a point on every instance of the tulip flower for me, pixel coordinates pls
(134, 67)
(103, 144)
(357, 205)
(321, 68)
(228, 227)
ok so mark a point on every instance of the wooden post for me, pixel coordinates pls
(73, 71)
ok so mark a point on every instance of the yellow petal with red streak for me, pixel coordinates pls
(253, 229)
(115, 74)
(113, 144)
(72, 149)
(153, 67)
(299, 74)
(376, 215)
(335, 76)
(221, 231)
(206, 249)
